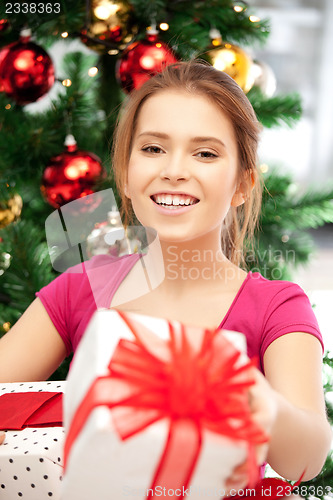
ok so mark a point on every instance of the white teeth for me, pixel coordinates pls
(173, 200)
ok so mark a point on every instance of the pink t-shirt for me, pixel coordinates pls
(262, 310)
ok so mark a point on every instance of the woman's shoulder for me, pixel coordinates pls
(263, 285)
(277, 296)
(268, 294)
(98, 271)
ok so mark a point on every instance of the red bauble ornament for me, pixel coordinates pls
(26, 70)
(70, 175)
(143, 59)
(4, 25)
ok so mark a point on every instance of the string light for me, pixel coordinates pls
(164, 26)
(8, 106)
(6, 326)
(254, 19)
(238, 8)
(264, 168)
(67, 82)
(64, 34)
(216, 42)
(92, 71)
(113, 52)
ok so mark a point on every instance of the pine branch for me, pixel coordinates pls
(68, 15)
(312, 209)
(30, 267)
(282, 243)
(277, 110)
(189, 23)
(41, 135)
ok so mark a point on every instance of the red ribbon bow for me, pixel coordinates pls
(151, 379)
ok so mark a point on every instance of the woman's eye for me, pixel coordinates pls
(206, 154)
(152, 149)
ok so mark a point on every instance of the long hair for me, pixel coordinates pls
(200, 78)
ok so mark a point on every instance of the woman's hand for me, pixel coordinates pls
(2, 436)
(263, 405)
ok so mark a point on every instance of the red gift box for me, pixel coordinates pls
(31, 457)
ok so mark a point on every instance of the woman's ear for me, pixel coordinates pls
(238, 198)
(243, 189)
(126, 192)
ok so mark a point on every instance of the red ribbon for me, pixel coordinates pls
(151, 379)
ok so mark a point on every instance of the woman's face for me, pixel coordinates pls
(182, 173)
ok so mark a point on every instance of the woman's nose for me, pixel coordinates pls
(174, 168)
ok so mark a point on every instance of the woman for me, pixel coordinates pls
(185, 162)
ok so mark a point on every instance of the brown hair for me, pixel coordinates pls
(198, 77)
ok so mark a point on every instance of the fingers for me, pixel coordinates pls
(2, 436)
(238, 479)
(261, 453)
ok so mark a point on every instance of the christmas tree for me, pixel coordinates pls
(127, 41)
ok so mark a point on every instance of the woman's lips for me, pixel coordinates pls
(173, 209)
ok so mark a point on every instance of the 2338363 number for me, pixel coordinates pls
(305, 491)
(32, 8)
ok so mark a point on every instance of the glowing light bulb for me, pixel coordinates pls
(64, 34)
(67, 82)
(92, 71)
(105, 10)
(238, 8)
(254, 19)
(164, 26)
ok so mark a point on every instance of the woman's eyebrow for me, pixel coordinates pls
(208, 139)
(162, 135)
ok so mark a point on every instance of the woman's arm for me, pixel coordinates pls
(32, 349)
(300, 434)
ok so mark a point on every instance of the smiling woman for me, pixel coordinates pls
(185, 162)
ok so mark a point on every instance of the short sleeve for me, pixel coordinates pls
(288, 311)
(66, 300)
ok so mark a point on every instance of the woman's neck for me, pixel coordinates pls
(195, 264)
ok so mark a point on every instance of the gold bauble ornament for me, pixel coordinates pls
(234, 61)
(109, 24)
(10, 210)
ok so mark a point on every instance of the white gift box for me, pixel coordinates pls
(31, 459)
(103, 466)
